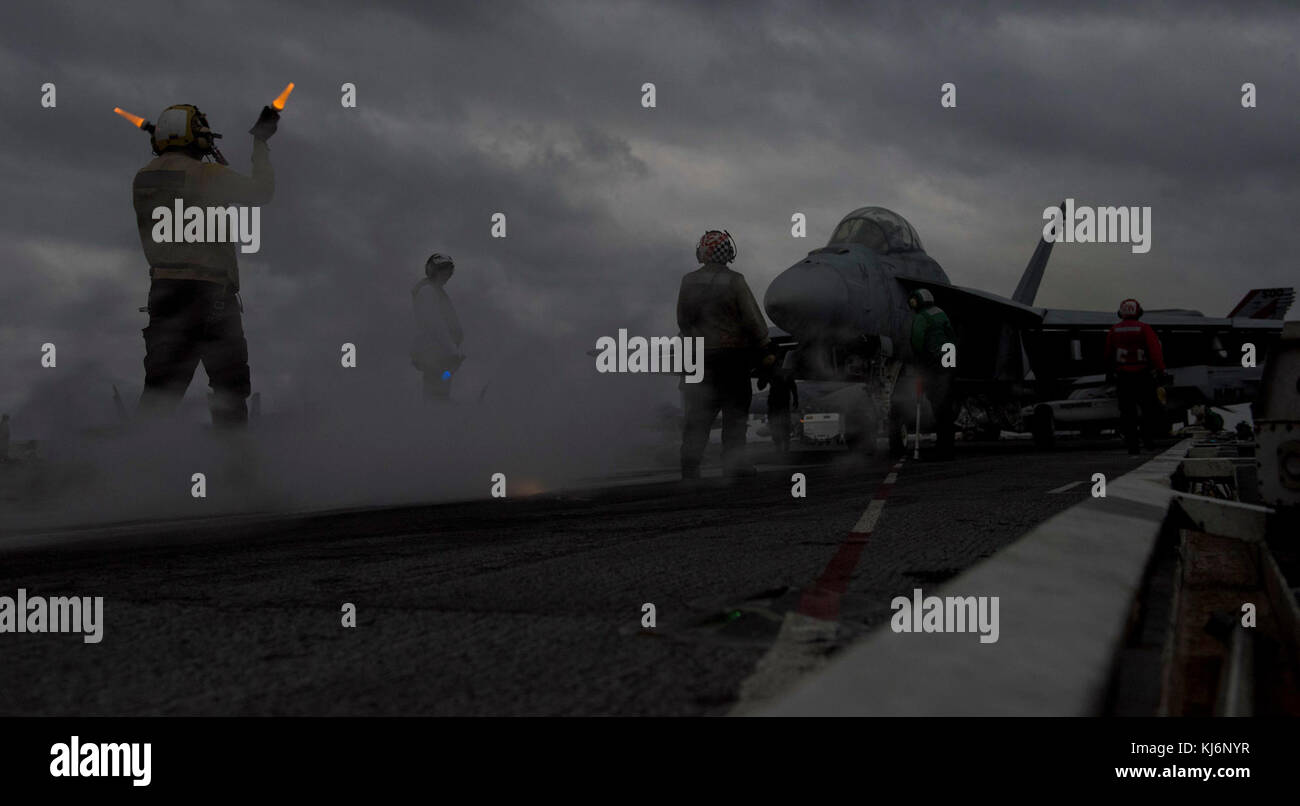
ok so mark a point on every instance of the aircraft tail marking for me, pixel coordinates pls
(1265, 303)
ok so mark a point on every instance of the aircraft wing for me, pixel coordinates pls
(1006, 340)
(988, 327)
(1093, 320)
(971, 304)
(1261, 309)
(1070, 342)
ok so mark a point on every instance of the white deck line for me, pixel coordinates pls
(1065, 588)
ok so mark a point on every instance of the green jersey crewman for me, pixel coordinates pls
(931, 330)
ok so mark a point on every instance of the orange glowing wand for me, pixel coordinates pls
(136, 120)
(270, 117)
(282, 98)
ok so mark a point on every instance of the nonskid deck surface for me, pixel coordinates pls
(518, 606)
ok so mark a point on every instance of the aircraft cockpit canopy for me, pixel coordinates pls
(878, 229)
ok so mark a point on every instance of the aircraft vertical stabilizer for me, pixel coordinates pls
(1027, 289)
(1011, 362)
(1265, 303)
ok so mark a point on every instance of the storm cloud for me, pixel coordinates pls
(534, 111)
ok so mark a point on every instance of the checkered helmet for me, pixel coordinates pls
(716, 246)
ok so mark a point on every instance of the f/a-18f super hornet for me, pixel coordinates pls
(841, 315)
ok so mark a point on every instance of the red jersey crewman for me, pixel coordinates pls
(1135, 359)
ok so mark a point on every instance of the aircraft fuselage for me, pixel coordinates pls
(845, 296)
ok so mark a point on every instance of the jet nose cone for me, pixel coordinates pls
(807, 299)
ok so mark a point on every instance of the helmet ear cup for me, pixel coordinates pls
(199, 128)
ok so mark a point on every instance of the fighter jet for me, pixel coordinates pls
(841, 314)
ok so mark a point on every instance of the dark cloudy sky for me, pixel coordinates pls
(533, 109)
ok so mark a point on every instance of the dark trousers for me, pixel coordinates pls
(938, 388)
(192, 321)
(778, 410)
(779, 424)
(1137, 393)
(724, 388)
